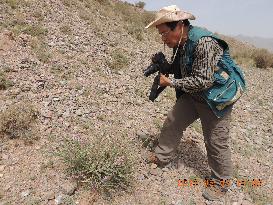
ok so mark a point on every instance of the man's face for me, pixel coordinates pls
(169, 37)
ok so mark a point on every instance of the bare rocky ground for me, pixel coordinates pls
(79, 95)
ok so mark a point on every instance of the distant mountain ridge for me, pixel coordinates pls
(257, 41)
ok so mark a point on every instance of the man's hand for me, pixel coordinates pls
(164, 81)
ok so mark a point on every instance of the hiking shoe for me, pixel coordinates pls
(153, 159)
(214, 193)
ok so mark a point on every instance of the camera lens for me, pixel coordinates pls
(151, 70)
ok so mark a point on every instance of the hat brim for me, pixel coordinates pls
(179, 15)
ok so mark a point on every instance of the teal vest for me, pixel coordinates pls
(229, 82)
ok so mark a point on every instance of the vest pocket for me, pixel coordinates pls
(238, 93)
(223, 94)
(227, 89)
(221, 77)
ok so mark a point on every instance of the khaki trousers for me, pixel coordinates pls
(215, 130)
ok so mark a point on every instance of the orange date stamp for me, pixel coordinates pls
(223, 182)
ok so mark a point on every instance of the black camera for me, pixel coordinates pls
(160, 65)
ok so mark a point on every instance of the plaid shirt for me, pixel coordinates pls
(206, 55)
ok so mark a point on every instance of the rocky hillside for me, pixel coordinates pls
(72, 69)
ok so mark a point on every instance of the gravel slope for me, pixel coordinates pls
(79, 96)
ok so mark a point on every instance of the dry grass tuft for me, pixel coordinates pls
(105, 165)
(262, 58)
(18, 121)
(4, 82)
(118, 60)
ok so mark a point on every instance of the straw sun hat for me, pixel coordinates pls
(169, 14)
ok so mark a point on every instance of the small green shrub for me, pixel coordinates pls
(12, 3)
(4, 83)
(136, 32)
(105, 165)
(140, 4)
(66, 29)
(18, 120)
(41, 50)
(69, 3)
(33, 30)
(119, 60)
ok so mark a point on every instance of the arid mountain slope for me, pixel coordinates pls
(79, 64)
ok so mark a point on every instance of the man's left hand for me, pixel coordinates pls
(164, 81)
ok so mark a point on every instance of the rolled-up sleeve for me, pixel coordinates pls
(206, 55)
